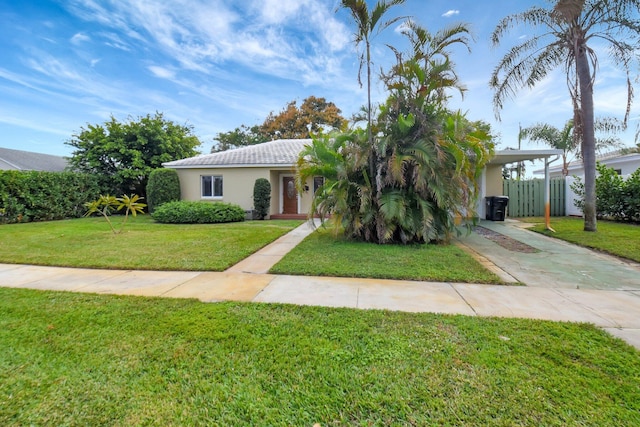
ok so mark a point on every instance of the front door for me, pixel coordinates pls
(289, 195)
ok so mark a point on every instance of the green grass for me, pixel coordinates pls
(321, 254)
(80, 359)
(615, 238)
(143, 245)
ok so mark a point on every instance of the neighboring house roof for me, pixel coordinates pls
(281, 152)
(29, 161)
(609, 159)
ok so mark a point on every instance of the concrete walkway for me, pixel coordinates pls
(613, 304)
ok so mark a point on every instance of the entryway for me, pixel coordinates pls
(289, 196)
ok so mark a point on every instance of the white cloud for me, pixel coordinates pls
(115, 41)
(280, 11)
(80, 38)
(162, 72)
(450, 13)
(272, 37)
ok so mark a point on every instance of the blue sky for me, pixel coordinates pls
(217, 64)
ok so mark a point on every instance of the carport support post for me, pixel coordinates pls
(547, 196)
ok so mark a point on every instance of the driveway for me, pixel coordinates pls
(540, 261)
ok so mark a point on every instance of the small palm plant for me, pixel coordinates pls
(106, 205)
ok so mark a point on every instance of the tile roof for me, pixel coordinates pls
(29, 161)
(281, 152)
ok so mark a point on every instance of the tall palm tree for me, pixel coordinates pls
(368, 24)
(569, 28)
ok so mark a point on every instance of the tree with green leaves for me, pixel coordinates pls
(426, 160)
(239, 137)
(123, 154)
(314, 115)
(368, 25)
(569, 30)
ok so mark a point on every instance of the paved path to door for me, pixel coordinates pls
(551, 296)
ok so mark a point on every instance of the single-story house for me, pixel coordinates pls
(229, 176)
(28, 161)
(623, 164)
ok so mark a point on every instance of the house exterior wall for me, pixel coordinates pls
(237, 186)
(493, 181)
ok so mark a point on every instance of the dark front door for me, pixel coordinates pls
(289, 196)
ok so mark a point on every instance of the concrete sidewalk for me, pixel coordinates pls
(615, 310)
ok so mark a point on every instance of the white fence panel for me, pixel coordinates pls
(570, 207)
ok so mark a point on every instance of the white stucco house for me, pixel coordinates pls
(229, 176)
(623, 164)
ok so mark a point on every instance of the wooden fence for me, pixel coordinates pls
(526, 198)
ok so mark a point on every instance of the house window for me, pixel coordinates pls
(318, 181)
(211, 186)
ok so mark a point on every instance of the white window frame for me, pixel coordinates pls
(214, 178)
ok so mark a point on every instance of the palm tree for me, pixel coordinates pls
(426, 163)
(565, 139)
(561, 139)
(569, 27)
(368, 24)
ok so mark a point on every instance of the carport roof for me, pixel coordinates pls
(505, 157)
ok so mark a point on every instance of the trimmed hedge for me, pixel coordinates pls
(262, 197)
(27, 196)
(186, 212)
(163, 187)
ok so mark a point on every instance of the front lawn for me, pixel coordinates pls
(615, 238)
(143, 245)
(322, 254)
(79, 359)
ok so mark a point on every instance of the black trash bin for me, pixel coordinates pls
(496, 207)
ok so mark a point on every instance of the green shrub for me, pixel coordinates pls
(186, 212)
(616, 198)
(631, 197)
(261, 197)
(45, 196)
(163, 187)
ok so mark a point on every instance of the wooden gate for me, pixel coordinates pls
(526, 198)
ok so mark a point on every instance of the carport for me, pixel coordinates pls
(491, 181)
